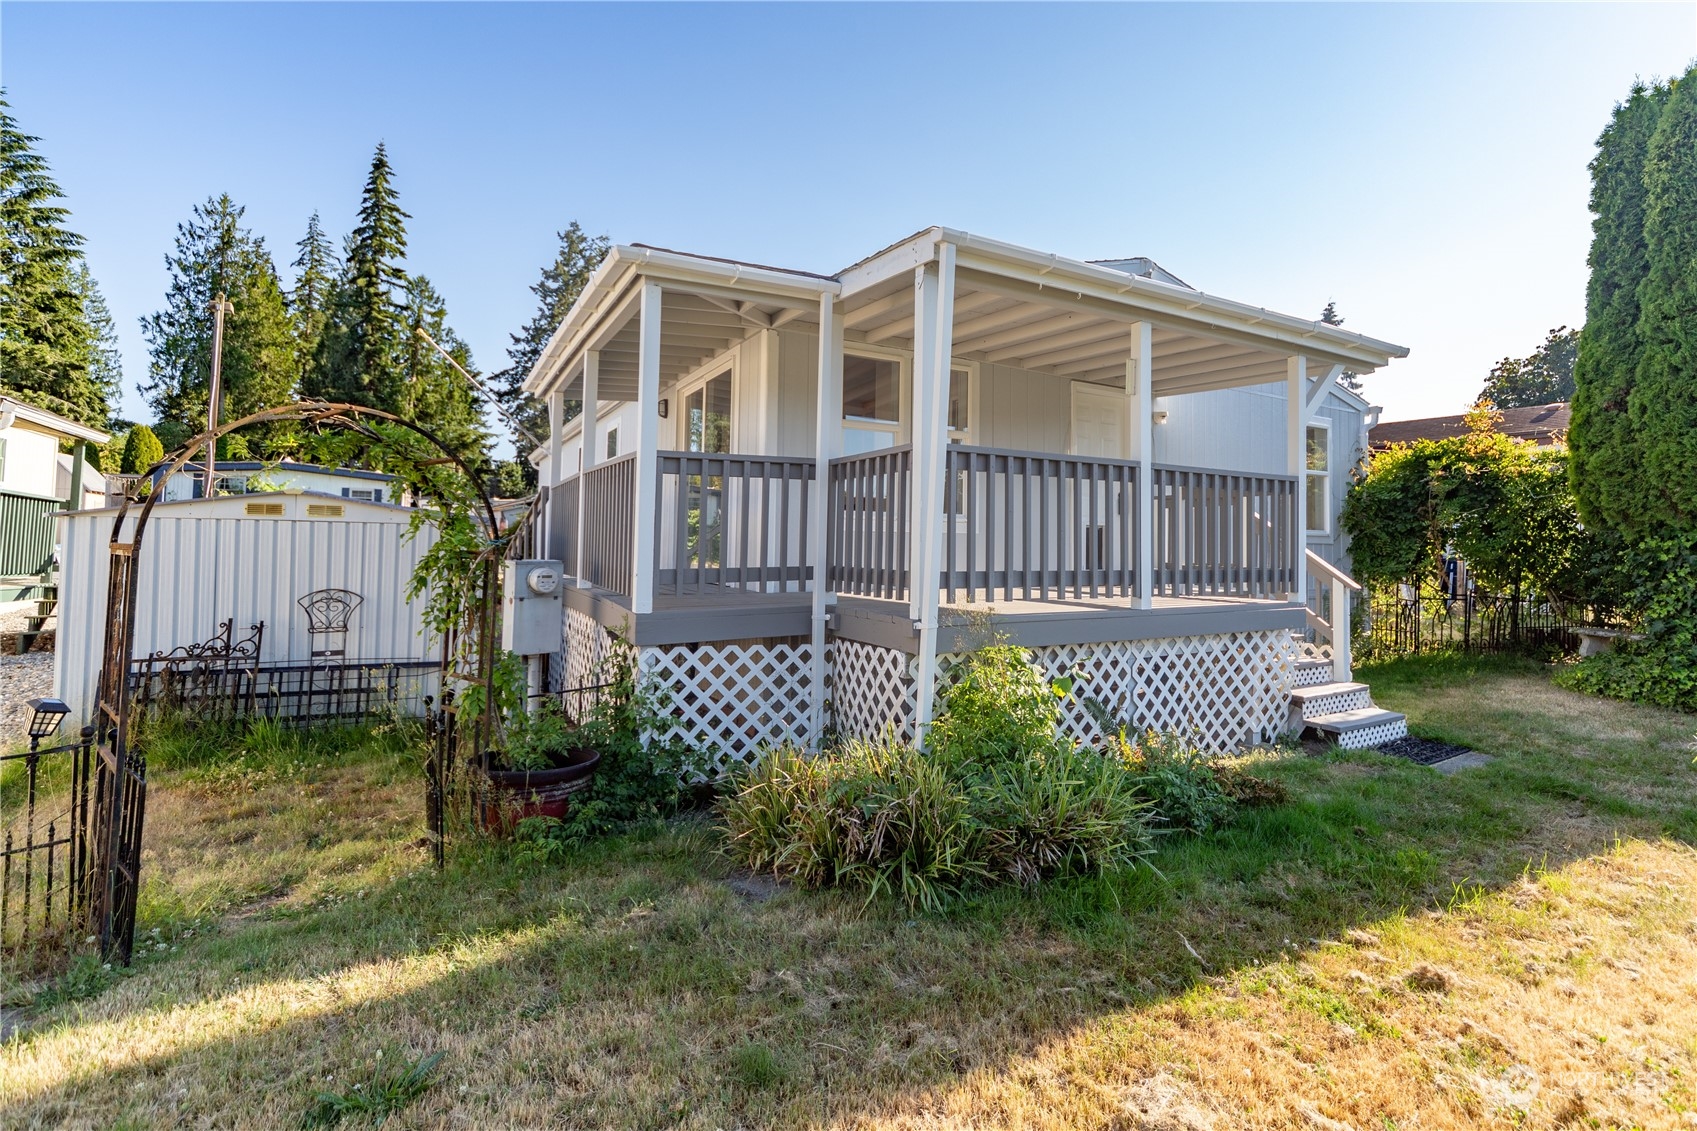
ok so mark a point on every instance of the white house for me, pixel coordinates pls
(820, 478)
(33, 488)
(239, 477)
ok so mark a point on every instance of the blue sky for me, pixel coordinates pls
(1421, 165)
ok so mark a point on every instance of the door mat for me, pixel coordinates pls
(1423, 751)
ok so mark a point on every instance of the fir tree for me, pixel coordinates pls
(560, 285)
(106, 360)
(1543, 378)
(46, 343)
(432, 394)
(316, 269)
(215, 254)
(1330, 316)
(1662, 406)
(1607, 469)
(362, 339)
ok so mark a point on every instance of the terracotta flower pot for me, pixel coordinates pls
(510, 796)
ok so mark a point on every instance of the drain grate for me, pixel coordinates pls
(1425, 751)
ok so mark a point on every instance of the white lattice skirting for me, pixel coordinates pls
(586, 646)
(733, 699)
(1222, 690)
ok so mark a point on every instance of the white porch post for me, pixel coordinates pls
(647, 450)
(556, 473)
(1140, 430)
(933, 349)
(1296, 457)
(586, 447)
(827, 442)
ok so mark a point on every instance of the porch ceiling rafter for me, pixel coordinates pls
(1020, 323)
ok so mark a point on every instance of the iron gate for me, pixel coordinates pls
(44, 864)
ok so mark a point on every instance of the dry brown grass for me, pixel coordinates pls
(1544, 973)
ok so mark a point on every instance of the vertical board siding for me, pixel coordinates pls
(199, 570)
(26, 533)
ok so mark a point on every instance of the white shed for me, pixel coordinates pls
(250, 558)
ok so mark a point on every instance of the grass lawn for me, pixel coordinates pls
(1514, 945)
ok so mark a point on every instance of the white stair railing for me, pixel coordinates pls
(1339, 585)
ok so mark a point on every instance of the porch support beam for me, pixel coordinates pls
(589, 443)
(1296, 464)
(827, 442)
(934, 300)
(1140, 430)
(647, 450)
(1318, 390)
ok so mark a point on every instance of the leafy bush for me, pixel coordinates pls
(1662, 592)
(1183, 789)
(997, 707)
(1064, 812)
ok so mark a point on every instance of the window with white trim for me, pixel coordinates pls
(707, 415)
(872, 395)
(612, 443)
(1318, 479)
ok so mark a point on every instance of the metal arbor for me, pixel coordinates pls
(121, 785)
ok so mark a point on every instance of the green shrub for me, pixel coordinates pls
(1661, 578)
(1183, 790)
(1066, 811)
(997, 706)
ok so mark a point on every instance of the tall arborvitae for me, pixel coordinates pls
(431, 393)
(1662, 406)
(316, 269)
(46, 343)
(362, 338)
(105, 358)
(215, 254)
(561, 283)
(1606, 464)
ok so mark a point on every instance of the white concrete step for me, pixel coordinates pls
(1329, 699)
(1360, 729)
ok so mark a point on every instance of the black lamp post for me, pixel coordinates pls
(48, 714)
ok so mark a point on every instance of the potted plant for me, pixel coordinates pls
(547, 759)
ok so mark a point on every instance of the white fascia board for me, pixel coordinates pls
(1358, 351)
(899, 260)
(625, 264)
(44, 421)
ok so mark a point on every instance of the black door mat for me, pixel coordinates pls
(1425, 751)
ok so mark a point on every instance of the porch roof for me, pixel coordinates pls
(1013, 306)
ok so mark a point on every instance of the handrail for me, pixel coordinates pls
(1315, 561)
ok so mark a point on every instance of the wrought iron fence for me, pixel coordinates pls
(1404, 622)
(319, 693)
(46, 856)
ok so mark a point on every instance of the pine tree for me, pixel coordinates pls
(560, 285)
(215, 254)
(46, 342)
(1329, 316)
(431, 393)
(1606, 464)
(106, 360)
(316, 269)
(1662, 406)
(142, 450)
(1543, 378)
(363, 336)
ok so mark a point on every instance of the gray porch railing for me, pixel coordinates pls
(1223, 533)
(609, 514)
(1038, 526)
(869, 523)
(732, 521)
(562, 523)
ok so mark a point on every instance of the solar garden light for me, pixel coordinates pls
(48, 714)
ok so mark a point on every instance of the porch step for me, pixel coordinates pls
(1359, 729)
(1328, 699)
(1312, 673)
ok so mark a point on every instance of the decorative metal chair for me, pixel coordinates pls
(327, 614)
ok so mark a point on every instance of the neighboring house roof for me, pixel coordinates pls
(1544, 424)
(240, 502)
(92, 479)
(12, 409)
(227, 466)
(1143, 267)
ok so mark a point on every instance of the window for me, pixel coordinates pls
(1319, 479)
(612, 443)
(871, 389)
(960, 416)
(707, 416)
(360, 493)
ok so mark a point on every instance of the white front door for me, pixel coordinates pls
(1098, 421)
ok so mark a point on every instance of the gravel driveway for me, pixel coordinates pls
(22, 678)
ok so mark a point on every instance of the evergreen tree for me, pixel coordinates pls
(1607, 470)
(1329, 316)
(106, 360)
(560, 285)
(46, 342)
(1543, 378)
(316, 269)
(432, 394)
(142, 450)
(215, 254)
(1662, 406)
(363, 336)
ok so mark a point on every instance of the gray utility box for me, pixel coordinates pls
(533, 607)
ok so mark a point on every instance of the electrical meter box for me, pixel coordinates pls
(533, 607)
